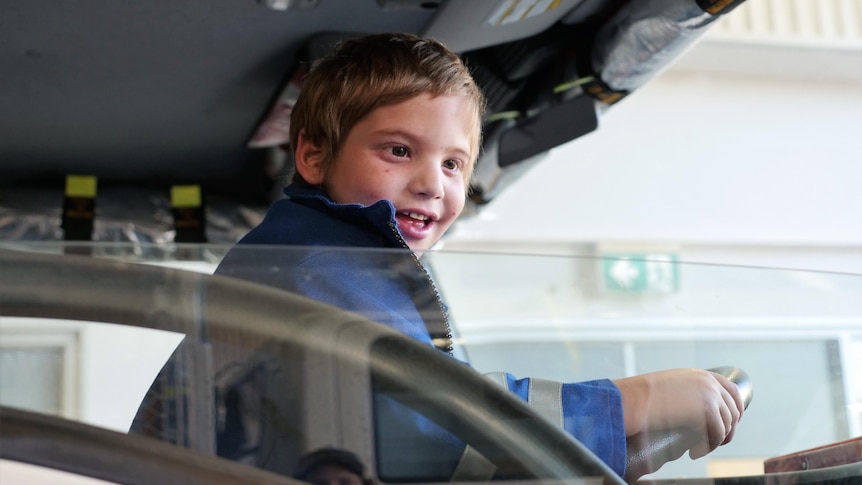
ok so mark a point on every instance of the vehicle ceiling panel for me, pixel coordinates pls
(171, 92)
(88, 85)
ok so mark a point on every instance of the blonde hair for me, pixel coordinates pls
(377, 70)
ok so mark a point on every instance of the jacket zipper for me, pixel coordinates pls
(447, 328)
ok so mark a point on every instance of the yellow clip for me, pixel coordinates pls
(81, 186)
(185, 196)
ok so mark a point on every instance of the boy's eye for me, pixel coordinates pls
(399, 151)
(450, 164)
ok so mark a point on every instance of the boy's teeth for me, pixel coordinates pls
(416, 215)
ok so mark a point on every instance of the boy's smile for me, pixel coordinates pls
(415, 154)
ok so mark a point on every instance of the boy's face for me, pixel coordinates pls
(413, 154)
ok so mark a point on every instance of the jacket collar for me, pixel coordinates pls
(381, 214)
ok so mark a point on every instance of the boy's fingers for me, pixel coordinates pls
(736, 415)
(733, 389)
(724, 414)
(729, 414)
(719, 428)
(733, 400)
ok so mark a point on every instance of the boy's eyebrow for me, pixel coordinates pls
(461, 151)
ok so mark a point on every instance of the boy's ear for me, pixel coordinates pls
(308, 157)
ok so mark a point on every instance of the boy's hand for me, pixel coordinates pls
(701, 403)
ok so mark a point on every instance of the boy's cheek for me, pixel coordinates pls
(461, 203)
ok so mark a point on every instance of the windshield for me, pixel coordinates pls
(229, 369)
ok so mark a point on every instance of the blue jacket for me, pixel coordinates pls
(393, 288)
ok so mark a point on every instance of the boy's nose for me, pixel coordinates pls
(428, 181)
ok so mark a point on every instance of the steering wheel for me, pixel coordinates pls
(59, 444)
(492, 420)
(489, 418)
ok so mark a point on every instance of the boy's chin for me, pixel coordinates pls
(418, 247)
(423, 247)
(417, 250)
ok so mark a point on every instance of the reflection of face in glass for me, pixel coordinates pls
(333, 475)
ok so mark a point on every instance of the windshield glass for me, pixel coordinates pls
(263, 376)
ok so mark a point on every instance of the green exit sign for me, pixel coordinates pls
(640, 272)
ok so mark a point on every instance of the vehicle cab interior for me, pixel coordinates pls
(140, 141)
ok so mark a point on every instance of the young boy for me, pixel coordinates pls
(385, 134)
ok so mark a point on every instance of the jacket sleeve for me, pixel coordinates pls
(590, 411)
